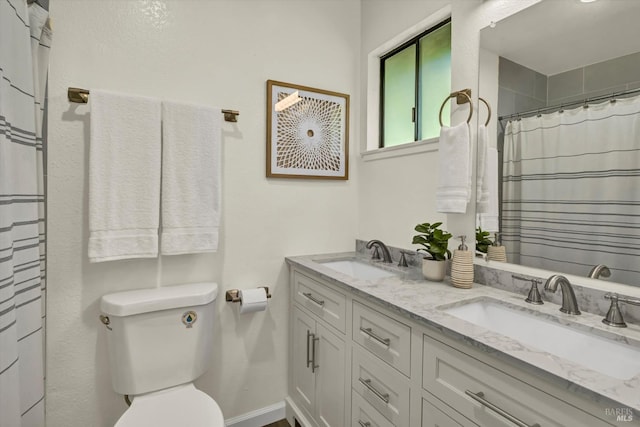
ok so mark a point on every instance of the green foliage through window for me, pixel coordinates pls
(415, 80)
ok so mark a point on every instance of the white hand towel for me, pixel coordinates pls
(454, 178)
(482, 188)
(124, 176)
(489, 219)
(190, 178)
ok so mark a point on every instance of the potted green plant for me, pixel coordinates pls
(435, 242)
(482, 240)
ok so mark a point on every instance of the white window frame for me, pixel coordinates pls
(372, 151)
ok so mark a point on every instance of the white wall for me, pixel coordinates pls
(216, 53)
(397, 193)
(221, 53)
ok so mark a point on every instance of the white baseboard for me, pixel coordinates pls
(259, 417)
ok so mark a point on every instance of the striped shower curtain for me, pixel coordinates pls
(571, 190)
(24, 52)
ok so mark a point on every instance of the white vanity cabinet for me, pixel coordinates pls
(318, 355)
(381, 363)
(491, 397)
(379, 368)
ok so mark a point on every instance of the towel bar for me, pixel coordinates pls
(81, 96)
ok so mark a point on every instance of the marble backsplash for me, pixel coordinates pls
(589, 299)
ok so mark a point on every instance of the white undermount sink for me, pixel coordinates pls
(358, 269)
(609, 357)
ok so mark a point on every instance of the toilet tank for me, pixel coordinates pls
(158, 338)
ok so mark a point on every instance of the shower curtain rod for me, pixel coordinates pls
(530, 113)
(81, 96)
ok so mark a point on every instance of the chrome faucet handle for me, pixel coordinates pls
(534, 294)
(376, 253)
(403, 260)
(614, 315)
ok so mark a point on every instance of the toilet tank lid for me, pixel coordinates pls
(138, 301)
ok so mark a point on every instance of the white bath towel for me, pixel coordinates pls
(454, 177)
(190, 178)
(482, 189)
(488, 219)
(124, 176)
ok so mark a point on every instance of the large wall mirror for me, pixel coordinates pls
(564, 80)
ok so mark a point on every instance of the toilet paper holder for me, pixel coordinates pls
(232, 295)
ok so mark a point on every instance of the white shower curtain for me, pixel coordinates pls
(24, 52)
(571, 190)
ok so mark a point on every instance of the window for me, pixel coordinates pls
(415, 78)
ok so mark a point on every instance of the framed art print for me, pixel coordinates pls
(307, 132)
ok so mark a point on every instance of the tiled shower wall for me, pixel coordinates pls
(603, 78)
(522, 89)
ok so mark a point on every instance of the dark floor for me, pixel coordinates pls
(281, 423)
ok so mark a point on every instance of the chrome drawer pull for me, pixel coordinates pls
(370, 333)
(367, 383)
(313, 353)
(479, 397)
(309, 335)
(364, 424)
(310, 296)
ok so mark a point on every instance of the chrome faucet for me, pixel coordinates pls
(386, 256)
(569, 302)
(600, 270)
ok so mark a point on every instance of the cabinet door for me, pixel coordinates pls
(304, 380)
(330, 380)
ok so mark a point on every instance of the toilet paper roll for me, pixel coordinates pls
(252, 300)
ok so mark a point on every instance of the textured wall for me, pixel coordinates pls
(210, 52)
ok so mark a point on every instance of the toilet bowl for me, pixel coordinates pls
(183, 405)
(160, 340)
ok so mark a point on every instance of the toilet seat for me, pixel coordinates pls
(183, 405)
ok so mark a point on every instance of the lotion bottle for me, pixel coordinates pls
(497, 252)
(462, 266)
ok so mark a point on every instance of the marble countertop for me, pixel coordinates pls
(410, 295)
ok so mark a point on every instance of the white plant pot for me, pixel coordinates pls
(434, 270)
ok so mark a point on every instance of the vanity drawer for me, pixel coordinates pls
(434, 417)
(453, 376)
(381, 386)
(383, 336)
(364, 415)
(321, 300)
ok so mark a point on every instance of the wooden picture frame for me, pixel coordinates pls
(308, 138)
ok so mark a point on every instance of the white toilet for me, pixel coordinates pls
(160, 340)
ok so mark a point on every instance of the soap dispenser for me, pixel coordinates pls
(462, 266)
(497, 252)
